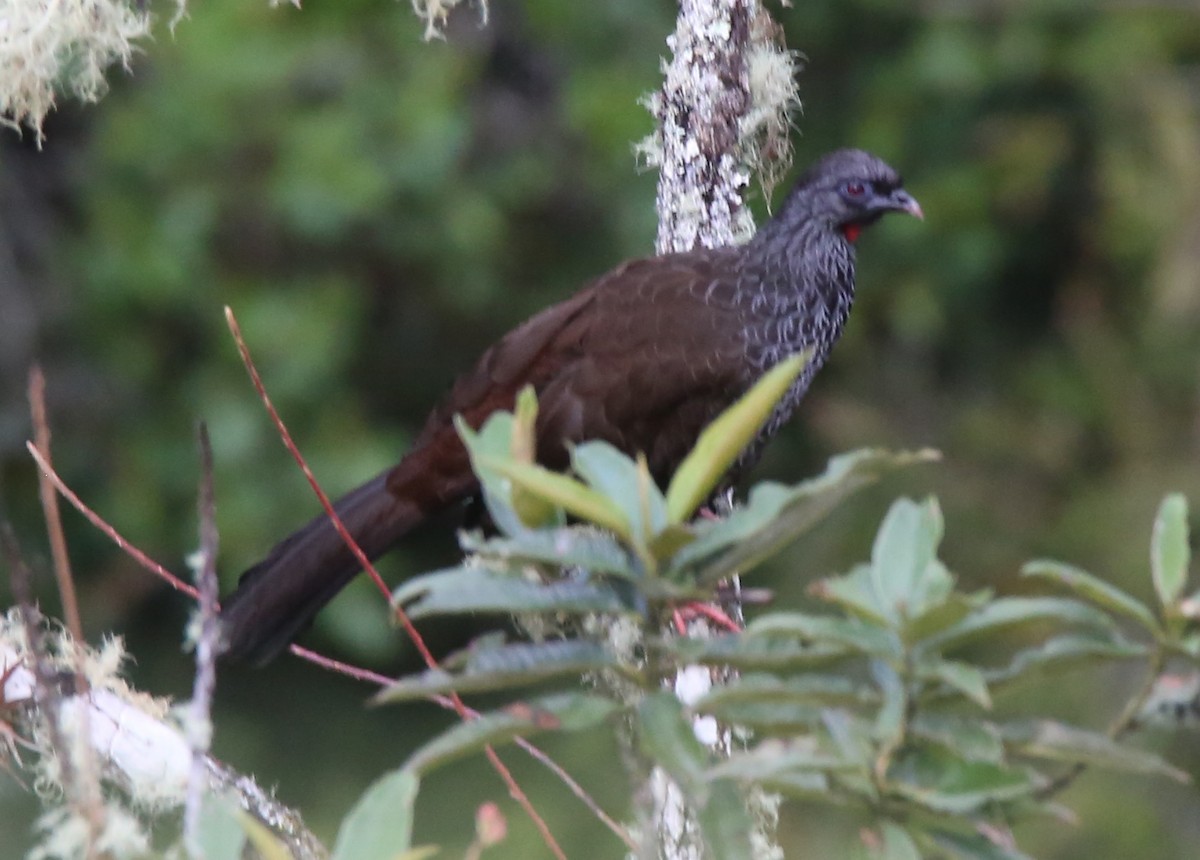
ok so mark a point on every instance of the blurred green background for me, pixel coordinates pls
(377, 210)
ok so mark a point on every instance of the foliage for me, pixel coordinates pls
(879, 701)
(62, 46)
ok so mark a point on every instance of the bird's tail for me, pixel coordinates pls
(277, 598)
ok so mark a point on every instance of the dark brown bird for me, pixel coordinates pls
(642, 357)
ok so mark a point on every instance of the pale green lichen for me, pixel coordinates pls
(53, 47)
(435, 12)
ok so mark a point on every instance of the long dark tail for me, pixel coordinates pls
(277, 598)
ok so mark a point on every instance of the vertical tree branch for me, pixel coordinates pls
(700, 107)
(711, 121)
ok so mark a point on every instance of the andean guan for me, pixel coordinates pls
(642, 357)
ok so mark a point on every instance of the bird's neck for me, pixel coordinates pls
(799, 286)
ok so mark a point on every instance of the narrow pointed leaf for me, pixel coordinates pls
(564, 712)
(890, 721)
(220, 835)
(1008, 612)
(575, 546)
(665, 735)
(461, 590)
(619, 479)
(945, 614)
(963, 677)
(895, 844)
(773, 758)
(1066, 650)
(1049, 739)
(855, 592)
(967, 737)
(563, 491)
(723, 441)
(776, 514)
(848, 632)
(976, 846)
(751, 653)
(1170, 554)
(379, 827)
(492, 440)
(810, 689)
(945, 785)
(501, 667)
(725, 823)
(1093, 588)
(851, 734)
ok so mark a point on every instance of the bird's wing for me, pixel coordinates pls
(643, 358)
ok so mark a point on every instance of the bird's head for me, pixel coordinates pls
(846, 191)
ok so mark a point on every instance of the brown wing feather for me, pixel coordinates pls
(576, 355)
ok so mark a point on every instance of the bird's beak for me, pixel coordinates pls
(901, 201)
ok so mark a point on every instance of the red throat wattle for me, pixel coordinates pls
(851, 231)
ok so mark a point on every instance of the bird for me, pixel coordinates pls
(643, 357)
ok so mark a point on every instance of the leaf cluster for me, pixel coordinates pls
(878, 701)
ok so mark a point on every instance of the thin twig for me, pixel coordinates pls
(50, 509)
(199, 727)
(418, 641)
(536, 753)
(306, 654)
(99, 522)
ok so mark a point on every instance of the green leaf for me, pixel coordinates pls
(1092, 588)
(1008, 612)
(492, 440)
(1049, 739)
(268, 845)
(849, 633)
(940, 616)
(774, 718)
(852, 735)
(595, 551)
(906, 578)
(568, 712)
(963, 677)
(460, 590)
(775, 514)
(975, 846)
(942, 783)
(895, 844)
(808, 689)
(564, 492)
(723, 441)
(855, 593)
(751, 653)
(665, 735)
(725, 823)
(778, 760)
(969, 738)
(1063, 650)
(490, 667)
(889, 722)
(623, 482)
(1170, 554)
(379, 827)
(220, 831)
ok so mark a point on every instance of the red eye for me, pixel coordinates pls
(855, 189)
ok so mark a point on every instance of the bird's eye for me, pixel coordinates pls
(855, 189)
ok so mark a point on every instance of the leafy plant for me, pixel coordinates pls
(880, 700)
